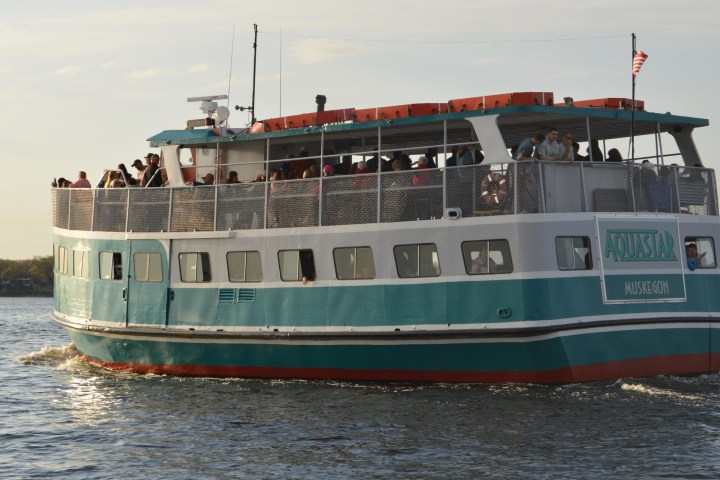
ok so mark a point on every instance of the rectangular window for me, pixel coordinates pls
(81, 266)
(147, 267)
(700, 252)
(573, 253)
(482, 257)
(244, 267)
(195, 267)
(61, 265)
(417, 260)
(354, 263)
(296, 265)
(110, 265)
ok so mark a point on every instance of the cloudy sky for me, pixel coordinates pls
(83, 83)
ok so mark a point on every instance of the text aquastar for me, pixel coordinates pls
(639, 245)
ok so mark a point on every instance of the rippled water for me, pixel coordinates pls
(62, 418)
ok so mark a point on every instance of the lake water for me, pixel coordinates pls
(62, 418)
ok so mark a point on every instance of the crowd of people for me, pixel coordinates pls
(546, 146)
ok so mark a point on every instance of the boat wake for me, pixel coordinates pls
(58, 357)
(658, 392)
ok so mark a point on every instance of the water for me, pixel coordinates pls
(62, 418)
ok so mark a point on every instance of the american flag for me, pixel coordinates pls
(638, 61)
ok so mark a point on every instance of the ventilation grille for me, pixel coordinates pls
(226, 295)
(246, 295)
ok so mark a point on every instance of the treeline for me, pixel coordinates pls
(19, 278)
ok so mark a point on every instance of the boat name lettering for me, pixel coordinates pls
(638, 245)
(647, 287)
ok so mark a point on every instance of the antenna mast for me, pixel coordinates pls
(252, 122)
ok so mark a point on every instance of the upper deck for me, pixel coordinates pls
(495, 185)
(416, 195)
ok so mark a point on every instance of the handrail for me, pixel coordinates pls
(410, 195)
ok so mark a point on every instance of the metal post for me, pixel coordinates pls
(320, 191)
(379, 179)
(444, 177)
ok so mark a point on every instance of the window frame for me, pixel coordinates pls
(61, 260)
(149, 267)
(84, 260)
(420, 265)
(706, 240)
(245, 253)
(305, 265)
(501, 245)
(201, 265)
(116, 261)
(355, 263)
(587, 263)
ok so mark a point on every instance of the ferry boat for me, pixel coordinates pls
(487, 270)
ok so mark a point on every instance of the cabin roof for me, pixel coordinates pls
(515, 122)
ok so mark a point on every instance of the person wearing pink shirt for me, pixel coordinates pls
(82, 181)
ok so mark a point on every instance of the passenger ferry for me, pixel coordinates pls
(492, 270)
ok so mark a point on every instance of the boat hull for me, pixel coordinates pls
(579, 355)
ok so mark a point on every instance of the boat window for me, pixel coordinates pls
(147, 267)
(354, 263)
(61, 260)
(702, 250)
(417, 260)
(110, 265)
(195, 267)
(296, 265)
(244, 267)
(482, 257)
(573, 253)
(81, 266)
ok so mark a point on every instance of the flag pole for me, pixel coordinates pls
(632, 106)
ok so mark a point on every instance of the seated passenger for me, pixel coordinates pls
(565, 148)
(693, 259)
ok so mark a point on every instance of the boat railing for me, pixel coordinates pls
(422, 194)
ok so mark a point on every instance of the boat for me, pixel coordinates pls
(485, 269)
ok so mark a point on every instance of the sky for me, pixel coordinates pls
(83, 84)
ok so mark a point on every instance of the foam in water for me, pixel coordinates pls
(50, 356)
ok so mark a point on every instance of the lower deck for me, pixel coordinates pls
(436, 276)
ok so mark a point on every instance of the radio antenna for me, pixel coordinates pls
(252, 122)
(232, 50)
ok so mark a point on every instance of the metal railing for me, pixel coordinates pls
(428, 194)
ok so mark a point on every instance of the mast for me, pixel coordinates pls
(632, 105)
(252, 122)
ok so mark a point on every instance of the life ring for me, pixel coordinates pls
(494, 188)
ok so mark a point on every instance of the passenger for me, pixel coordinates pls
(232, 177)
(481, 263)
(299, 166)
(113, 180)
(124, 175)
(208, 179)
(527, 147)
(566, 148)
(67, 183)
(260, 177)
(328, 171)
(138, 165)
(451, 161)
(693, 259)
(576, 153)
(594, 152)
(549, 149)
(614, 155)
(431, 156)
(422, 177)
(464, 156)
(82, 181)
